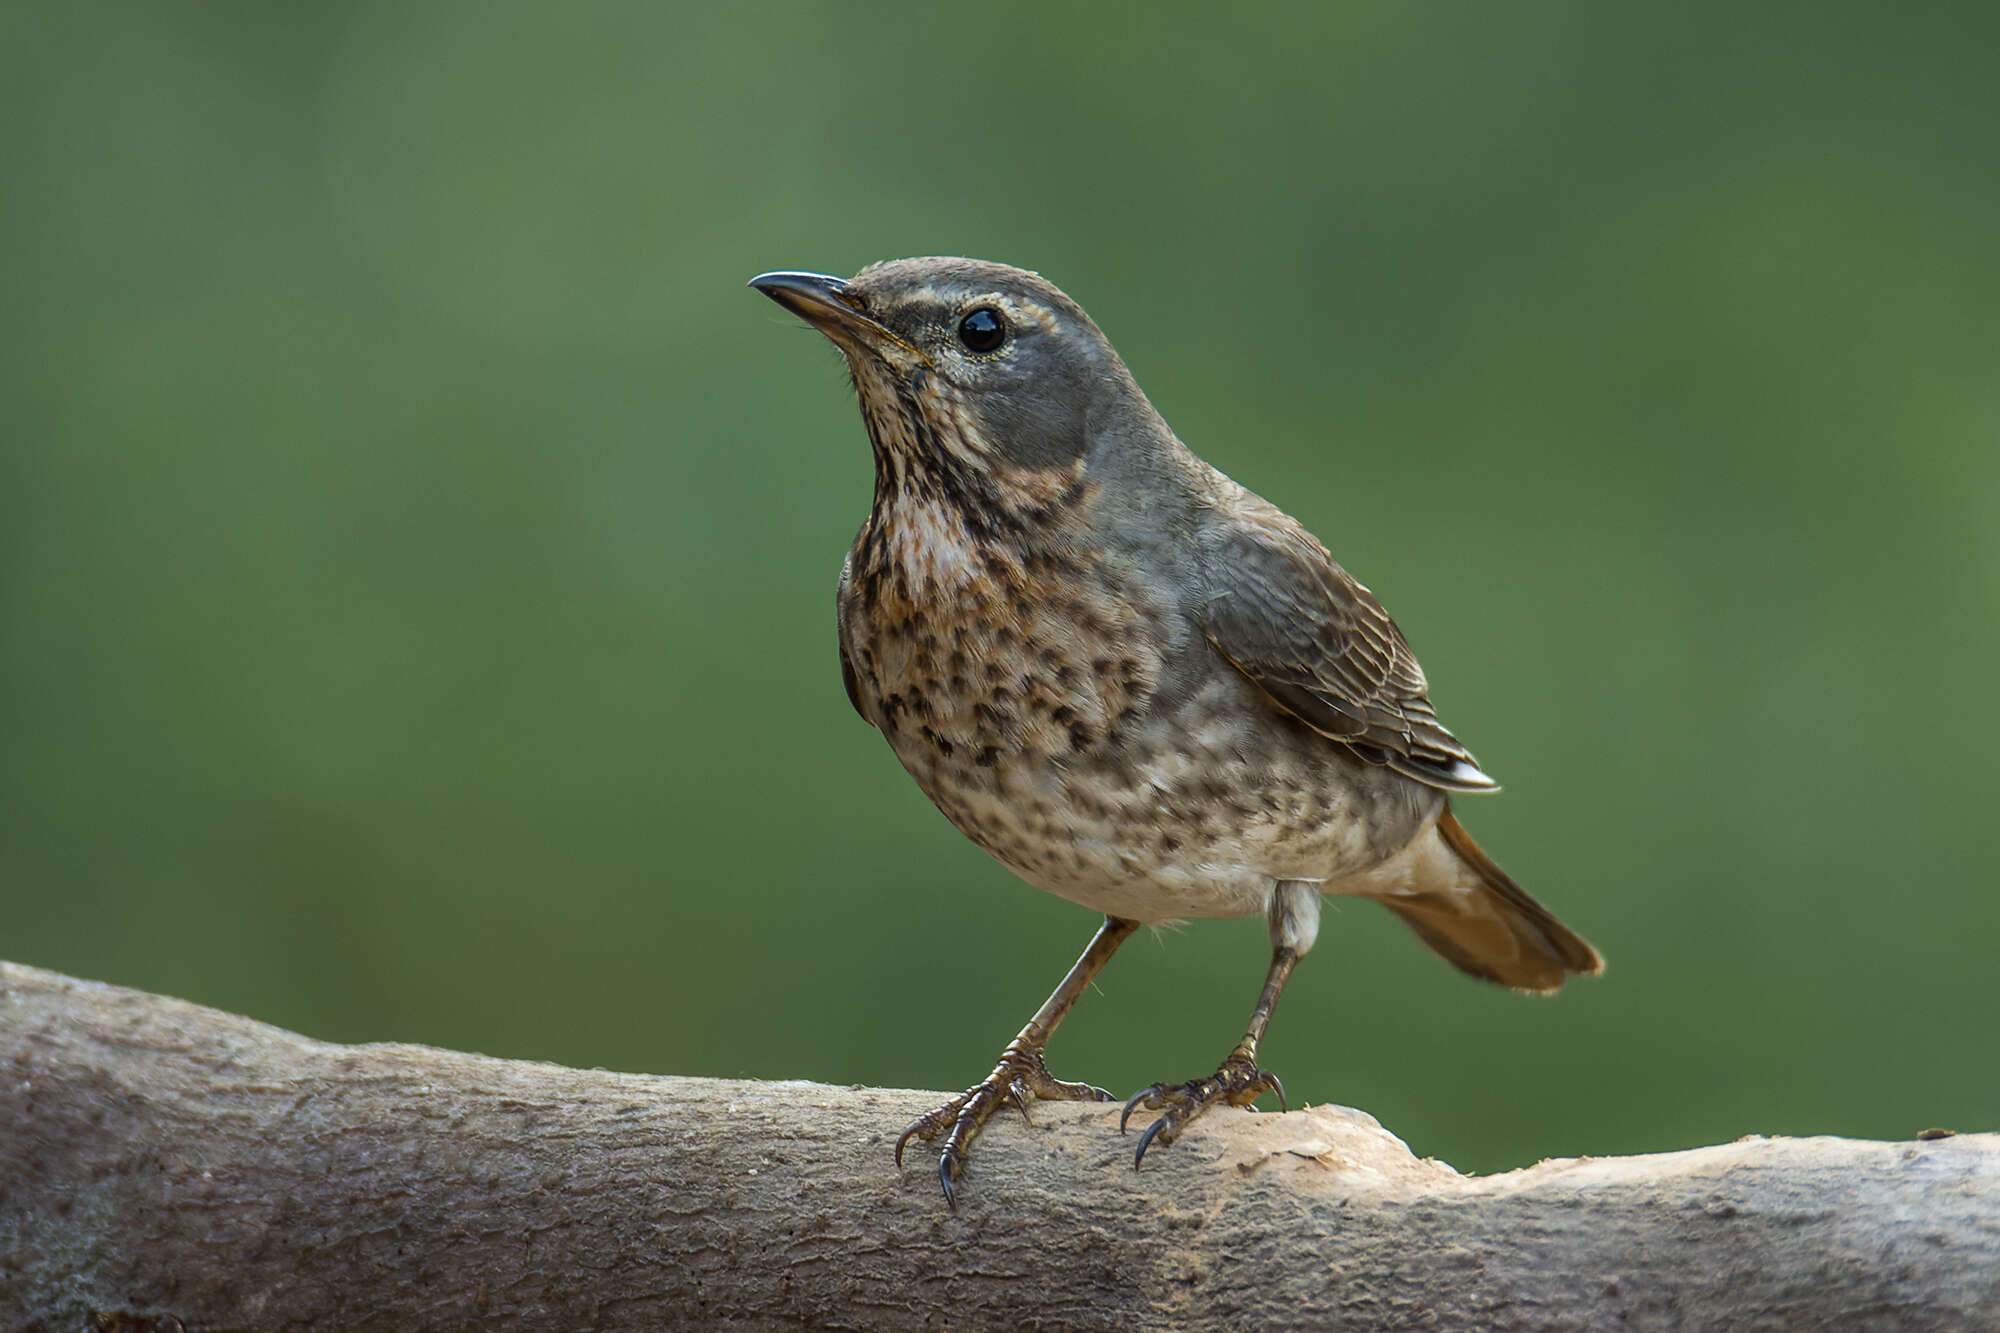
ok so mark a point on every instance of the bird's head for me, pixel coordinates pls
(973, 374)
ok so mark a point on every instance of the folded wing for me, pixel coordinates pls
(1285, 614)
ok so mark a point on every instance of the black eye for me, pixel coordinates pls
(982, 330)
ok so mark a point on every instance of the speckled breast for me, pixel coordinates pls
(1045, 704)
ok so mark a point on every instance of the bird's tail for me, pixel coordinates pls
(1486, 925)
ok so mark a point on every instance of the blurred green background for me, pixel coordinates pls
(417, 547)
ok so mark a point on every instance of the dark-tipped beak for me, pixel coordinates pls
(804, 294)
(818, 300)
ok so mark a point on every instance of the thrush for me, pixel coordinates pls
(1135, 683)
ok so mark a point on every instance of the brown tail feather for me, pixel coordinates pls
(1488, 926)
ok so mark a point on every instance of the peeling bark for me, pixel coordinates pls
(165, 1166)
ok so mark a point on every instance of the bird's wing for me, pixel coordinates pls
(840, 628)
(1282, 612)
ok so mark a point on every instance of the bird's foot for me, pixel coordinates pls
(1019, 1077)
(1239, 1082)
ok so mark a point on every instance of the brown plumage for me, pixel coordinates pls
(1129, 679)
(1488, 927)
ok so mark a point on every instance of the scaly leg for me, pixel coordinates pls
(1020, 1073)
(1240, 1080)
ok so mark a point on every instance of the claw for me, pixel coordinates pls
(1133, 1103)
(1019, 1078)
(1238, 1082)
(1146, 1140)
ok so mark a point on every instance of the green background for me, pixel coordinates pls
(417, 547)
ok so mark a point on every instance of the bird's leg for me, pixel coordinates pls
(1240, 1080)
(1020, 1074)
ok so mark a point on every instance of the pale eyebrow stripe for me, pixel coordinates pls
(1021, 308)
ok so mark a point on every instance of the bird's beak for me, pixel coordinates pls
(802, 293)
(817, 299)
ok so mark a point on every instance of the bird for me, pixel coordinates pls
(1134, 682)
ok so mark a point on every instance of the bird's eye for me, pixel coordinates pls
(983, 330)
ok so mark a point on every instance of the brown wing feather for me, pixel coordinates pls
(1286, 615)
(847, 679)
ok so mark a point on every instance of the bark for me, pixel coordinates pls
(165, 1166)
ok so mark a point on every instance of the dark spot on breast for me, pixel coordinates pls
(998, 719)
(987, 757)
(938, 743)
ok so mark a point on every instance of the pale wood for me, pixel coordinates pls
(163, 1161)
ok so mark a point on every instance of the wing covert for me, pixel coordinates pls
(1286, 615)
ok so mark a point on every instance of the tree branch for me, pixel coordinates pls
(162, 1162)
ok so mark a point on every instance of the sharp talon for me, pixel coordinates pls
(1019, 1079)
(1237, 1082)
(1146, 1140)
